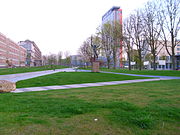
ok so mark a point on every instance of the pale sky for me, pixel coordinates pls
(57, 25)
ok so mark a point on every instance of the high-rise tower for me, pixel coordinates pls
(112, 16)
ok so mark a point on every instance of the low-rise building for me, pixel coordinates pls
(77, 60)
(34, 56)
(163, 59)
(11, 54)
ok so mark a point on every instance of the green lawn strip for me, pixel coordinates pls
(130, 109)
(142, 72)
(145, 72)
(6, 71)
(63, 78)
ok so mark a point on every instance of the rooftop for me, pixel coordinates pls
(110, 10)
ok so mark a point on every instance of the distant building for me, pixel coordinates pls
(177, 48)
(11, 54)
(77, 60)
(163, 59)
(34, 56)
(114, 15)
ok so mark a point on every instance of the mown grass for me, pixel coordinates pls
(146, 72)
(63, 78)
(6, 71)
(142, 72)
(148, 108)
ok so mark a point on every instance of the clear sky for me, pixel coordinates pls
(57, 25)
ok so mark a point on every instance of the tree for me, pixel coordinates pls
(111, 34)
(67, 58)
(52, 59)
(85, 51)
(45, 60)
(138, 37)
(107, 42)
(59, 58)
(152, 30)
(127, 37)
(169, 18)
(117, 40)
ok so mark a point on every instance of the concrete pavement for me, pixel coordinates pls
(81, 85)
(23, 76)
(153, 76)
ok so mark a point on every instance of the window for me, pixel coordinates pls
(178, 49)
(167, 58)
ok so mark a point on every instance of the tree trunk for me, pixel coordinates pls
(173, 53)
(140, 59)
(154, 62)
(114, 61)
(108, 62)
(129, 60)
(173, 62)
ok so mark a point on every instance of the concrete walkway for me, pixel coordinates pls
(153, 76)
(23, 76)
(82, 85)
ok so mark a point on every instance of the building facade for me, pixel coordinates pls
(77, 60)
(34, 55)
(163, 59)
(114, 15)
(177, 48)
(11, 54)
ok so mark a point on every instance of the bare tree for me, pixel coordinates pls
(52, 60)
(59, 58)
(127, 38)
(85, 51)
(67, 58)
(138, 35)
(169, 16)
(152, 30)
(117, 40)
(107, 42)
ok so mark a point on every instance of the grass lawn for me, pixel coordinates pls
(63, 78)
(146, 72)
(148, 108)
(6, 71)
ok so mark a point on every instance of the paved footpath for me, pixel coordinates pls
(83, 85)
(153, 76)
(23, 76)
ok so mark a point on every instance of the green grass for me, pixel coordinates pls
(146, 72)
(63, 78)
(6, 71)
(148, 108)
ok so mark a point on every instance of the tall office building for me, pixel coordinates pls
(112, 16)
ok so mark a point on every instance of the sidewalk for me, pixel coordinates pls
(153, 76)
(24, 76)
(82, 85)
